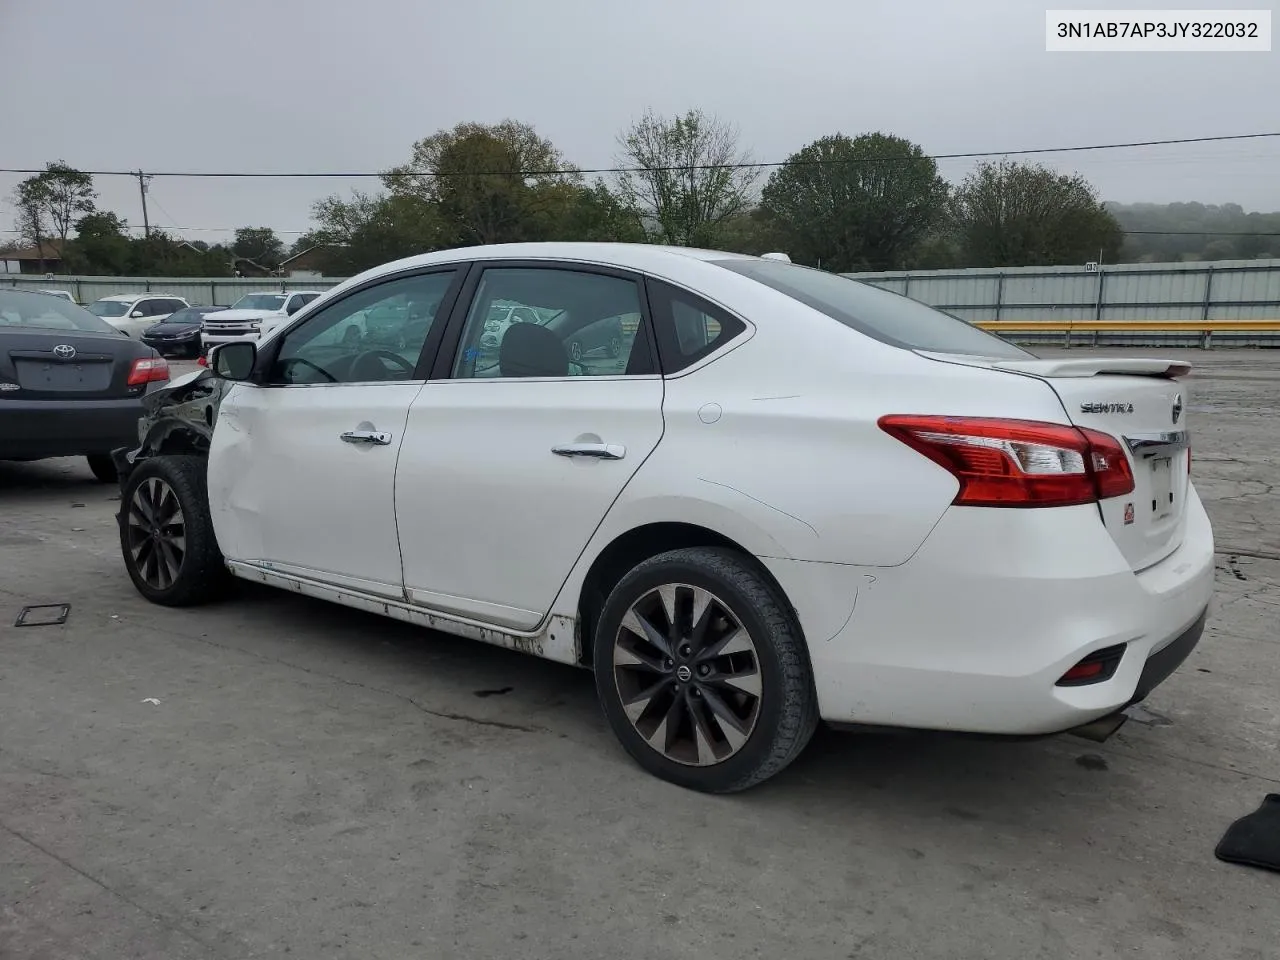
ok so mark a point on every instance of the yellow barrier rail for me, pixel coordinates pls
(1132, 326)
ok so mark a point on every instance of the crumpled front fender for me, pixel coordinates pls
(186, 410)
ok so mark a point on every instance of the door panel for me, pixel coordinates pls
(302, 469)
(491, 519)
(287, 491)
(510, 464)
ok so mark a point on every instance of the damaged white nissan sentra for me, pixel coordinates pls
(789, 497)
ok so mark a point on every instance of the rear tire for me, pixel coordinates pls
(721, 699)
(103, 467)
(166, 533)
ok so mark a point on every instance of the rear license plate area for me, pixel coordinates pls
(1161, 487)
(43, 375)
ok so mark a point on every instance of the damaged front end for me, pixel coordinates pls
(179, 419)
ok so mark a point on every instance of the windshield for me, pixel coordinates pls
(887, 317)
(259, 301)
(41, 311)
(186, 315)
(109, 308)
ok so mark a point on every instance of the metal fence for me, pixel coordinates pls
(209, 291)
(1205, 294)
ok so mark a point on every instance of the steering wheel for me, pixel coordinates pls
(395, 358)
(305, 362)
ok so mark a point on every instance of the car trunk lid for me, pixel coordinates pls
(62, 366)
(1139, 402)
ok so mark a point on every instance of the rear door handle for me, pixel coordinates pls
(597, 451)
(366, 436)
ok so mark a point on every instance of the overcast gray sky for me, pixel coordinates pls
(316, 85)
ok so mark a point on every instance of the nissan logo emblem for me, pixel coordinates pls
(64, 351)
(1177, 408)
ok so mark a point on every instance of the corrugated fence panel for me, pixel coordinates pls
(217, 291)
(1061, 290)
(1238, 285)
(1237, 290)
(1155, 288)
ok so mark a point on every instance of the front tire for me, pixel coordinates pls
(166, 534)
(703, 672)
(103, 467)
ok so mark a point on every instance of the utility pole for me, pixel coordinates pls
(142, 189)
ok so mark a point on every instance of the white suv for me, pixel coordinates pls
(132, 313)
(253, 316)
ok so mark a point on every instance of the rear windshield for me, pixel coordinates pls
(888, 317)
(41, 311)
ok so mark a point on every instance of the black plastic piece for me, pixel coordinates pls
(32, 616)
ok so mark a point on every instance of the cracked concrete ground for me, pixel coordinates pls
(315, 782)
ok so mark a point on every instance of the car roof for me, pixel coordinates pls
(644, 257)
(130, 297)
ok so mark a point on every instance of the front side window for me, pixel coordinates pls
(549, 322)
(888, 317)
(374, 335)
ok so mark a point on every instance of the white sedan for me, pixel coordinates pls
(794, 497)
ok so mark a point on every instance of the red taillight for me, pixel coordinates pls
(1095, 668)
(1018, 463)
(148, 370)
(1082, 671)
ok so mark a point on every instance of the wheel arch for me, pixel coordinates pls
(635, 545)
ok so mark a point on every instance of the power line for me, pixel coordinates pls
(566, 171)
(1197, 233)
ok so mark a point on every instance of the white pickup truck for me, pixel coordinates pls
(253, 316)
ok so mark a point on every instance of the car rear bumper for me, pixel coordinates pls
(37, 429)
(974, 632)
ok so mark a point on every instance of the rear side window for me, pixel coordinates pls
(888, 317)
(688, 328)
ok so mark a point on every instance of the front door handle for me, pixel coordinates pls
(597, 451)
(366, 436)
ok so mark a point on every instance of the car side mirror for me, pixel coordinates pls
(293, 308)
(137, 314)
(233, 361)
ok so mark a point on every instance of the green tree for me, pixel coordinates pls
(586, 214)
(490, 183)
(690, 177)
(862, 203)
(101, 246)
(258, 245)
(1020, 214)
(367, 230)
(51, 201)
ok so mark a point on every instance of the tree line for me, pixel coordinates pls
(869, 202)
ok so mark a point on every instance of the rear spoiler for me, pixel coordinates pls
(1091, 367)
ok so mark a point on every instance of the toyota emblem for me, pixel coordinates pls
(1177, 408)
(64, 351)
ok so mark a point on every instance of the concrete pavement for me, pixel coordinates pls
(315, 782)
